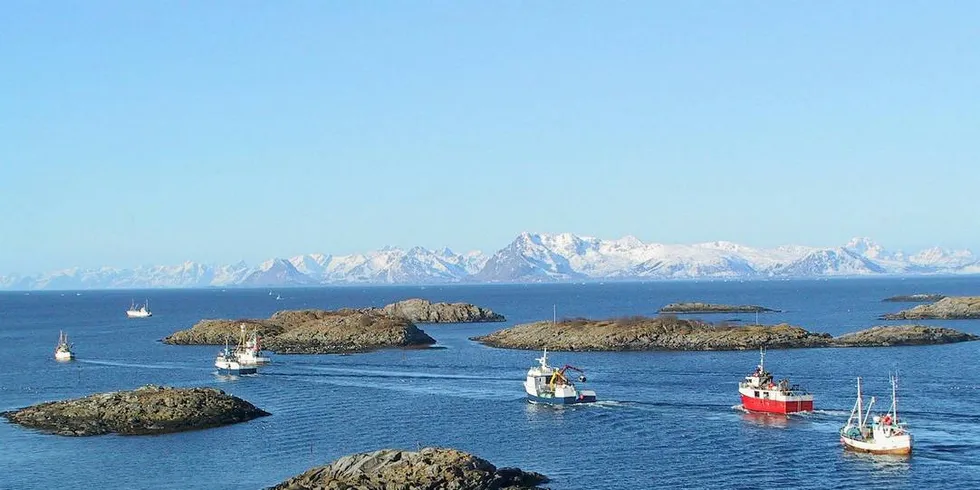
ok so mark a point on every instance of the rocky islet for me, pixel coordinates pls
(948, 308)
(671, 333)
(697, 307)
(146, 410)
(430, 467)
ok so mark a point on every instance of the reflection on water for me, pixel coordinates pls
(891, 463)
(777, 420)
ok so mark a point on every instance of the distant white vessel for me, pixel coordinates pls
(278, 297)
(886, 434)
(139, 311)
(63, 351)
(249, 350)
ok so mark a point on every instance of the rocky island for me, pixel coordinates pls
(914, 298)
(670, 333)
(146, 410)
(419, 310)
(427, 468)
(885, 336)
(948, 308)
(312, 332)
(695, 307)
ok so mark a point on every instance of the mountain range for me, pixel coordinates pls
(531, 257)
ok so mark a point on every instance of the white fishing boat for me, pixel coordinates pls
(886, 434)
(549, 385)
(249, 350)
(63, 351)
(139, 311)
(227, 362)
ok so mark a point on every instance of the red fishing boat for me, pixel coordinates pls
(761, 393)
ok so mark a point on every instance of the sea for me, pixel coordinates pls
(664, 420)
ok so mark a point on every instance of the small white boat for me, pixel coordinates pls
(548, 385)
(886, 434)
(139, 311)
(278, 297)
(227, 363)
(249, 350)
(63, 351)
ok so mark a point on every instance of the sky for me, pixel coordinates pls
(163, 131)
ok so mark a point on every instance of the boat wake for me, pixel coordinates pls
(136, 365)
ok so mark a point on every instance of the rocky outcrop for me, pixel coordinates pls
(424, 311)
(902, 335)
(712, 308)
(915, 298)
(312, 332)
(642, 333)
(948, 308)
(146, 410)
(670, 333)
(430, 468)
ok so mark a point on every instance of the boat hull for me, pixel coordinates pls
(137, 314)
(240, 370)
(64, 356)
(566, 400)
(897, 446)
(790, 405)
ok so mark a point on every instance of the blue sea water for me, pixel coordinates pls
(666, 419)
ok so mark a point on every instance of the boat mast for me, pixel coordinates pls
(868, 412)
(894, 399)
(859, 407)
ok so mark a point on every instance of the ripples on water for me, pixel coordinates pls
(666, 419)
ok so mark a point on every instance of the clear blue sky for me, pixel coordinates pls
(157, 132)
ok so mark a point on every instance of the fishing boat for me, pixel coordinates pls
(548, 385)
(761, 393)
(249, 350)
(139, 311)
(227, 363)
(63, 351)
(886, 434)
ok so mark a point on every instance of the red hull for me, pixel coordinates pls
(774, 406)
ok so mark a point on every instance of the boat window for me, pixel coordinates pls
(757, 394)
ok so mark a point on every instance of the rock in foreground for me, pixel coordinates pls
(915, 298)
(669, 333)
(903, 335)
(429, 468)
(312, 332)
(948, 308)
(712, 308)
(146, 410)
(424, 311)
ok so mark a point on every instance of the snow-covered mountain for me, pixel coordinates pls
(564, 256)
(531, 257)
